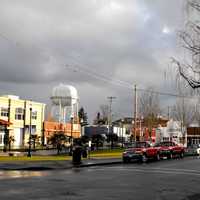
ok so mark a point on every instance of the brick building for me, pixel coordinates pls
(193, 136)
(51, 127)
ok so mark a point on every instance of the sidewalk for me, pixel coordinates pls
(53, 165)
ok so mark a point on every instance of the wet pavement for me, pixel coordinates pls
(12, 174)
(53, 165)
(164, 180)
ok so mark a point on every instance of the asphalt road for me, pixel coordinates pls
(166, 180)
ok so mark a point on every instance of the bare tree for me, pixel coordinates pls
(104, 109)
(196, 111)
(149, 108)
(103, 115)
(183, 111)
(189, 67)
(149, 103)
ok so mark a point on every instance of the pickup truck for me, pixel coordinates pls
(169, 149)
(141, 151)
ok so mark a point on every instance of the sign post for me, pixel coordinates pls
(89, 145)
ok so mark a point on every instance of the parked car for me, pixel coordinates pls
(170, 149)
(141, 151)
(192, 149)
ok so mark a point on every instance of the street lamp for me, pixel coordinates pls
(30, 132)
(81, 123)
(122, 121)
(141, 132)
(133, 132)
(71, 145)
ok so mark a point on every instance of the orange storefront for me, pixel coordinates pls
(144, 134)
(51, 128)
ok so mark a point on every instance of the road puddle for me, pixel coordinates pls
(22, 174)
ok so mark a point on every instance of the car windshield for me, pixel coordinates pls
(140, 144)
(164, 144)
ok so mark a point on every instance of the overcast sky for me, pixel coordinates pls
(83, 43)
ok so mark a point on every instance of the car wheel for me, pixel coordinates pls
(182, 155)
(144, 158)
(126, 160)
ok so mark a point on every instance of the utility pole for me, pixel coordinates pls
(30, 131)
(135, 111)
(168, 114)
(111, 98)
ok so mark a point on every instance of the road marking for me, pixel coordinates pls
(176, 169)
(152, 170)
(149, 171)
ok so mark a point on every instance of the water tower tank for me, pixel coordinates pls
(65, 97)
(61, 95)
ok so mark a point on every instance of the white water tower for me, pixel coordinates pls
(64, 102)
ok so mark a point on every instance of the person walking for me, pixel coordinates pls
(198, 152)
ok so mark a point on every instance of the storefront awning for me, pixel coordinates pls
(5, 123)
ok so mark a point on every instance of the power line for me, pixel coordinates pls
(77, 67)
(99, 76)
(102, 77)
(126, 84)
(165, 93)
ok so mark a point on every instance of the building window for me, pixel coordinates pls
(166, 139)
(33, 129)
(19, 114)
(34, 115)
(4, 112)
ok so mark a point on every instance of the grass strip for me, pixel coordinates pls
(112, 153)
(33, 158)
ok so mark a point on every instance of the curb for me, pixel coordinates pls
(71, 166)
(28, 169)
(99, 164)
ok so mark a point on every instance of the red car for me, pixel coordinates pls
(170, 149)
(141, 151)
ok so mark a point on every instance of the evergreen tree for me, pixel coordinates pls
(83, 117)
(57, 140)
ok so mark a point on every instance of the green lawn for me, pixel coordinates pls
(114, 153)
(33, 158)
(110, 153)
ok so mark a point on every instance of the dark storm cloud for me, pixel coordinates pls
(46, 42)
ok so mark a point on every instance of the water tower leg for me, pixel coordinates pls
(60, 111)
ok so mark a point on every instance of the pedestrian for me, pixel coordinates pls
(198, 152)
(84, 152)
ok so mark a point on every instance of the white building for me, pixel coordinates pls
(121, 133)
(172, 132)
